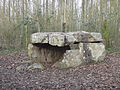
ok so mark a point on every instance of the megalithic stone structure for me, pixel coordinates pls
(65, 50)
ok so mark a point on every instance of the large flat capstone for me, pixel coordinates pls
(65, 50)
(64, 39)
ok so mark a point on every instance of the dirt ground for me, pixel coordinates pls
(99, 76)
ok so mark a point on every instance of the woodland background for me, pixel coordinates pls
(20, 18)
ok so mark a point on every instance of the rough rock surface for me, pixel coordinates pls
(65, 50)
(62, 39)
(97, 50)
(57, 39)
(72, 58)
(82, 36)
(36, 66)
(92, 52)
(40, 37)
(45, 53)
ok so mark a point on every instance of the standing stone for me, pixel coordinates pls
(96, 50)
(72, 58)
(45, 53)
(33, 52)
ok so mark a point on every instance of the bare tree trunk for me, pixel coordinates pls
(53, 15)
(83, 14)
(46, 21)
(64, 15)
(9, 10)
(4, 6)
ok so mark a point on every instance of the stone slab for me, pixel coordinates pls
(40, 38)
(57, 39)
(63, 39)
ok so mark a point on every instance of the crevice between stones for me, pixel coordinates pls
(88, 42)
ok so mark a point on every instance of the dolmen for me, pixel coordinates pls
(66, 50)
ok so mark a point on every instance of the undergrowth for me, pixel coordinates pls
(111, 50)
(10, 50)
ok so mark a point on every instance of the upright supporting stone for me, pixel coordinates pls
(72, 58)
(33, 51)
(45, 53)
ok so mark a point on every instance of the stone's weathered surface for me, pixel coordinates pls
(74, 46)
(72, 37)
(82, 36)
(30, 46)
(36, 66)
(33, 52)
(28, 66)
(57, 39)
(96, 50)
(93, 36)
(72, 58)
(40, 37)
(65, 50)
(63, 39)
(46, 53)
(96, 37)
(22, 67)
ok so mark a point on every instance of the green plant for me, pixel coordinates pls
(111, 50)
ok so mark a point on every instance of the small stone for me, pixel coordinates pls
(36, 66)
(21, 67)
(9, 67)
(37, 82)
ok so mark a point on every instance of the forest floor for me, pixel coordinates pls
(100, 76)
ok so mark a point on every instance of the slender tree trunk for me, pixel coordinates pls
(9, 10)
(53, 15)
(46, 21)
(83, 14)
(4, 6)
(64, 15)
